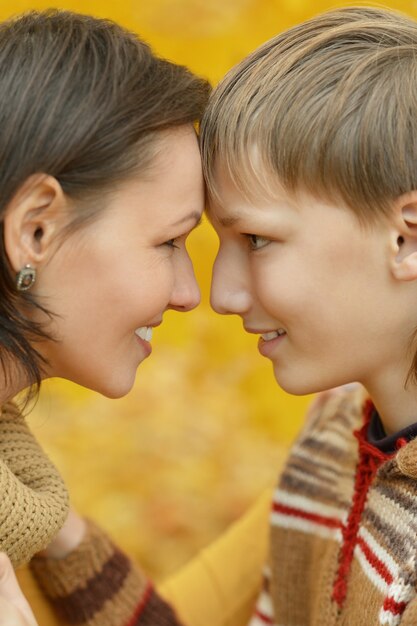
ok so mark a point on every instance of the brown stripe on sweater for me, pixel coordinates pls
(312, 468)
(345, 409)
(398, 500)
(314, 491)
(297, 471)
(82, 604)
(385, 534)
(156, 613)
(326, 449)
(322, 466)
(345, 422)
(59, 577)
(392, 534)
(124, 606)
(401, 494)
(317, 469)
(351, 405)
(350, 420)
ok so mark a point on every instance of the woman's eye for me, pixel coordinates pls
(171, 243)
(256, 242)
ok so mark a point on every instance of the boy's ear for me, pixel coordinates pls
(32, 219)
(404, 238)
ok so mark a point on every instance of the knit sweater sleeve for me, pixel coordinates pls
(98, 585)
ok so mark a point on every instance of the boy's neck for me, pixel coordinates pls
(395, 403)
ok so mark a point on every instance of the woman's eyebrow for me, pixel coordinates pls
(194, 215)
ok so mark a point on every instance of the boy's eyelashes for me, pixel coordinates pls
(256, 242)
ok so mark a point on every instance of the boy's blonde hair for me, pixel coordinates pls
(330, 107)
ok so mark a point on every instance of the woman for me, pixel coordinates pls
(101, 184)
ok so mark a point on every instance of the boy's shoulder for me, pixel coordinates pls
(327, 441)
(342, 405)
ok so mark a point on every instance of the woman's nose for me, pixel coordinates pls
(186, 295)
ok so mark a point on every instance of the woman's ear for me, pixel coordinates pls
(32, 219)
(404, 238)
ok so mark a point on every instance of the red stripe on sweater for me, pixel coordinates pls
(330, 522)
(143, 602)
(390, 605)
(397, 608)
(375, 561)
(263, 617)
(370, 459)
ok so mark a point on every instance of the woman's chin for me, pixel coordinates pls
(111, 388)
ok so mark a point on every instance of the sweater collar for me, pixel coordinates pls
(388, 444)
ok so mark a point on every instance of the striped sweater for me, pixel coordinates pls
(343, 543)
(343, 525)
(97, 585)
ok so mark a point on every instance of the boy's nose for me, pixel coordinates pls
(229, 294)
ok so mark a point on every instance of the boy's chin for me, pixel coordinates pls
(297, 385)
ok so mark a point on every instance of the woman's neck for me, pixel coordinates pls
(15, 383)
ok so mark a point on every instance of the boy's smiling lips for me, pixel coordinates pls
(268, 339)
(259, 331)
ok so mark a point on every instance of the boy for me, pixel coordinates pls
(310, 149)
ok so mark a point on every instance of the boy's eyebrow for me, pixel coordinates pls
(228, 221)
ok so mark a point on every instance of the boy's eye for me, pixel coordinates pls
(256, 242)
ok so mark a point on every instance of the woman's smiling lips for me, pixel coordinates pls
(144, 336)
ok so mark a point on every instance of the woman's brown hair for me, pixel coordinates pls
(81, 99)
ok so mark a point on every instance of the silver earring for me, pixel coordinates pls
(25, 279)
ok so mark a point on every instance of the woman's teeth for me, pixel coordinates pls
(144, 332)
(273, 334)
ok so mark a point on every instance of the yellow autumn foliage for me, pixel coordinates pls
(205, 428)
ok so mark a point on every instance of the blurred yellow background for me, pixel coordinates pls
(167, 468)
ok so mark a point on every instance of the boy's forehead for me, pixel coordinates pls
(252, 180)
(232, 208)
(231, 196)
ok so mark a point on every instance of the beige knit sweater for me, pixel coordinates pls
(97, 584)
(34, 500)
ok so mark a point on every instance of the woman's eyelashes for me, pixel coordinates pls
(176, 242)
(171, 243)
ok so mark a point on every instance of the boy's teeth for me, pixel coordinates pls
(144, 332)
(273, 334)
